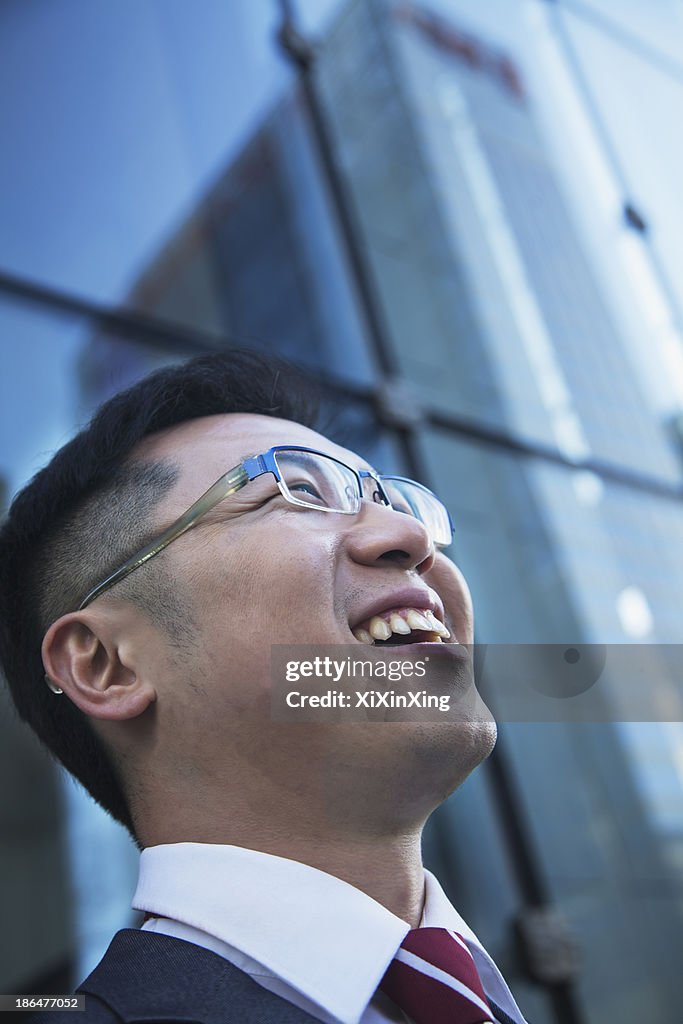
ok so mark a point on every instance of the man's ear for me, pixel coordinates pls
(84, 657)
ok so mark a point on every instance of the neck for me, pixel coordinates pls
(388, 868)
(325, 802)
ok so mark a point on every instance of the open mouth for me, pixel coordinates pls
(398, 627)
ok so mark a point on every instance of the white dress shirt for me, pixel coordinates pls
(311, 938)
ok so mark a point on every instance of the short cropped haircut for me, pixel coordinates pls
(89, 509)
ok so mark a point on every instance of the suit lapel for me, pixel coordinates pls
(145, 976)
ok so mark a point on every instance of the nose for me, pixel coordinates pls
(379, 535)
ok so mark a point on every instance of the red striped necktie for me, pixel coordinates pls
(434, 980)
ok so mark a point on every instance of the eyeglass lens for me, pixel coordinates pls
(407, 496)
(320, 481)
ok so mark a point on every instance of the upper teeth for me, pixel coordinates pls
(401, 621)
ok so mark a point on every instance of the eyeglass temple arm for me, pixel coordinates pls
(230, 482)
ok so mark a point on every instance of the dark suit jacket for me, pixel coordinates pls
(148, 977)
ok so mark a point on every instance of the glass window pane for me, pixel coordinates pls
(161, 160)
(116, 127)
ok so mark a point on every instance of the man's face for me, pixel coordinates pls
(259, 571)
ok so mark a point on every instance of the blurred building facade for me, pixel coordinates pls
(496, 363)
(37, 952)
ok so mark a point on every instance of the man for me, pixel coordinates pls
(195, 524)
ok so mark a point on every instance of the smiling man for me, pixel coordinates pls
(197, 524)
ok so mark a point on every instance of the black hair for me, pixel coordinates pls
(89, 509)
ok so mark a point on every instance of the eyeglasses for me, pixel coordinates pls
(308, 478)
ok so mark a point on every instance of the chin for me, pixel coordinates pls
(441, 756)
(475, 741)
(469, 743)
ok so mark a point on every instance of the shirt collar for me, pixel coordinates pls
(439, 912)
(309, 928)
